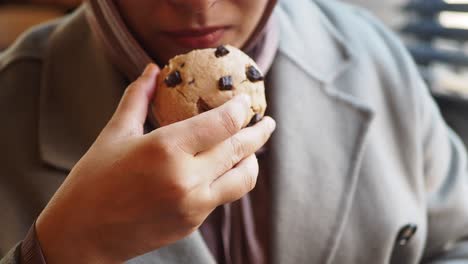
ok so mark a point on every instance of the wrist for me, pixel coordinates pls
(66, 245)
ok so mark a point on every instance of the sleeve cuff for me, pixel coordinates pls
(31, 252)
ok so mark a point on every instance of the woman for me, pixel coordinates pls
(361, 167)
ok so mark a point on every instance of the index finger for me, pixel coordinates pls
(207, 129)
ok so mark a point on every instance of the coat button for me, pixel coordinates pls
(406, 233)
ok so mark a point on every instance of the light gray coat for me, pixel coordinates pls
(360, 149)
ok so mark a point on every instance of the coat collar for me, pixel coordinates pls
(323, 53)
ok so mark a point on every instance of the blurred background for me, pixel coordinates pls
(18, 15)
(435, 32)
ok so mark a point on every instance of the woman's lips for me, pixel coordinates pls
(197, 38)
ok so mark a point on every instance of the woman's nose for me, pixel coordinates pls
(194, 5)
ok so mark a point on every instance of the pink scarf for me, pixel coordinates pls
(130, 58)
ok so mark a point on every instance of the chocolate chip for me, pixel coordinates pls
(182, 65)
(255, 119)
(225, 83)
(202, 106)
(221, 51)
(253, 74)
(173, 79)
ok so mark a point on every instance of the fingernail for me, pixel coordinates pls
(271, 124)
(148, 69)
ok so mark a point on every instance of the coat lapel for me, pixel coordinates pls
(79, 93)
(318, 143)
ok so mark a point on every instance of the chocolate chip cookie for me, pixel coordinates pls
(201, 80)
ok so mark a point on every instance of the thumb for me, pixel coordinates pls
(131, 112)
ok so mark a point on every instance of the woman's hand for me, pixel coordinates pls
(133, 193)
